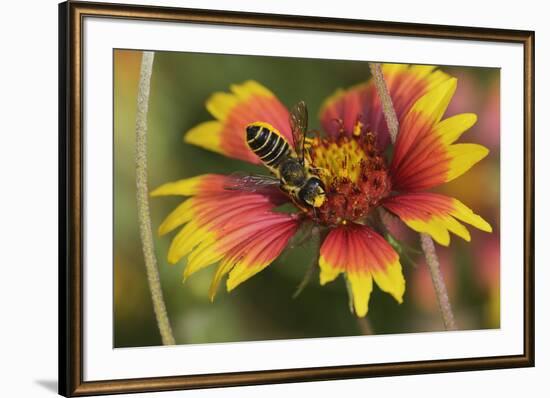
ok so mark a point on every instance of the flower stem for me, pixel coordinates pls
(439, 284)
(427, 243)
(364, 326)
(385, 100)
(142, 199)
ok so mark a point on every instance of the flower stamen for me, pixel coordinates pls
(354, 173)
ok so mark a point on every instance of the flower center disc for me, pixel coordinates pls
(355, 177)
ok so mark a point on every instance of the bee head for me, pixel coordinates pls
(313, 192)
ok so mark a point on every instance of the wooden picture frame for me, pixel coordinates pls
(71, 205)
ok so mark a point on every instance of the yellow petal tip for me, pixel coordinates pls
(162, 230)
(361, 313)
(206, 135)
(155, 192)
(172, 260)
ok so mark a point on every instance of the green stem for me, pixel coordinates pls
(144, 217)
(427, 243)
(316, 238)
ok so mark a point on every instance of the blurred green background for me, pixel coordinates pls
(263, 308)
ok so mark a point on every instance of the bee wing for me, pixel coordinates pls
(252, 182)
(298, 125)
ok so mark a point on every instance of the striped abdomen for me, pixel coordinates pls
(267, 143)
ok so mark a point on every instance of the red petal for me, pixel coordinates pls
(247, 103)
(364, 256)
(436, 215)
(361, 103)
(424, 154)
(259, 250)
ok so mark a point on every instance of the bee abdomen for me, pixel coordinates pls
(256, 136)
(267, 143)
(278, 154)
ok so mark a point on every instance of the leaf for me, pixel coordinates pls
(305, 280)
(314, 234)
(405, 251)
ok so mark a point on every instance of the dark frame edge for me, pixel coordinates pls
(63, 266)
(529, 197)
(173, 383)
(289, 21)
(70, 218)
(70, 201)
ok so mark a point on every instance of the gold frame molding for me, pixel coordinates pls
(71, 16)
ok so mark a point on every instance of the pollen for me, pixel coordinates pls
(355, 176)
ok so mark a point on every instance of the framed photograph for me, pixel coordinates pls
(253, 199)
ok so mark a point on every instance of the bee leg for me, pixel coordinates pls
(283, 188)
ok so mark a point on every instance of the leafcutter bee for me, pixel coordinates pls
(288, 164)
